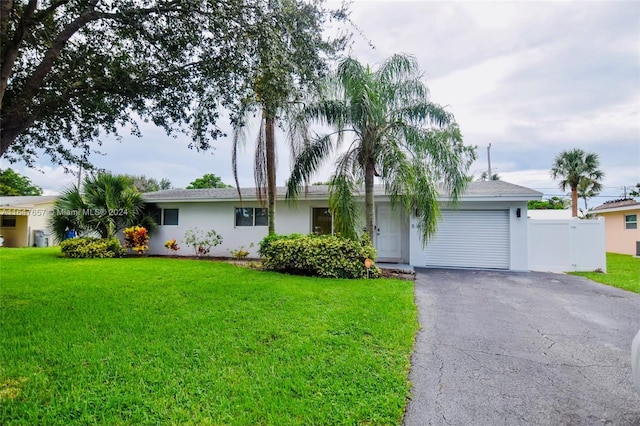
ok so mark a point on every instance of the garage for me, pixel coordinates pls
(470, 239)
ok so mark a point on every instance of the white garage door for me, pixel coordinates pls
(470, 239)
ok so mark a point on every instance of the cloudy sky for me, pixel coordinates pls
(529, 78)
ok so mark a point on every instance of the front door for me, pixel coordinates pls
(388, 238)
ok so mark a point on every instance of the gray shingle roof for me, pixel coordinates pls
(475, 190)
(26, 201)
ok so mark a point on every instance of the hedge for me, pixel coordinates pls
(322, 256)
(86, 247)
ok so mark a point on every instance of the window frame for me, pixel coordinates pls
(164, 217)
(631, 224)
(11, 217)
(264, 217)
(313, 220)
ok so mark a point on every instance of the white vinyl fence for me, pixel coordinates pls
(567, 245)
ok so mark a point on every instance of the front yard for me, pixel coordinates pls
(152, 340)
(623, 271)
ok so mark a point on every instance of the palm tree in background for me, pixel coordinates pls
(393, 132)
(574, 166)
(106, 204)
(587, 188)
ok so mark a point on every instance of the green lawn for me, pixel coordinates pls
(623, 271)
(171, 341)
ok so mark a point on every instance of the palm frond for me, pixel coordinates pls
(345, 212)
(307, 163)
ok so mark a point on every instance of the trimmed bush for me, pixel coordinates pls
(86, 247)
(322, 256)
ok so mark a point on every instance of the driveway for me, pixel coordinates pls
(509, 348)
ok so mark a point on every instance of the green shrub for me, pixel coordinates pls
(323, 256)
(86, 247)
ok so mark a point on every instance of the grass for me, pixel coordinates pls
(623, 271)
(152, 340)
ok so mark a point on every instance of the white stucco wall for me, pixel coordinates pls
(220, 216)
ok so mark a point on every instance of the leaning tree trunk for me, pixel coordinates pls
(368, 198)
(270, 142)
(574, 202)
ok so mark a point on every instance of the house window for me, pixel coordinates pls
(322, 222)
(170, 216)
(631, 221)
(250, 216)
(8, 221)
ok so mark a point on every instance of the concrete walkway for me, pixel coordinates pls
(505, 348)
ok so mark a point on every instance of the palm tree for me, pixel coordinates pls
(587, 188)
(398, 135)
(107, 204)
(573, 166)
(290, 59)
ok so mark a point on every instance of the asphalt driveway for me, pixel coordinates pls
(508, 348)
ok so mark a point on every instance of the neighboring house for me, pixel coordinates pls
(24, 220)
(488, 230)
(621, 223)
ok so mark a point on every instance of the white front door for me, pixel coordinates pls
(388, 238)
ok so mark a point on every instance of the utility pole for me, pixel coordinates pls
(489, 176)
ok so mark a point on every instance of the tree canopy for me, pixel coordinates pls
(395, 133)
(12, 183)
(143, 183)
(76, 70)
(574, 166)
(208, 180)
(290, 58)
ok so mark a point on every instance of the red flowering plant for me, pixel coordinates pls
(137, 239)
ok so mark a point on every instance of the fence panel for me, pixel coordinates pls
(567, 245)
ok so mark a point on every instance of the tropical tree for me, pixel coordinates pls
(209, 180)
(290, 58)
(75, 70)
(394, 132)
(573, 166)
(588, 188)
(106, 204)
(12, 183)
(635, 191)
(143, 183)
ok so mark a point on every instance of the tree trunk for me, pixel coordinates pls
(270, 142)
(368, 198)
(574, 202)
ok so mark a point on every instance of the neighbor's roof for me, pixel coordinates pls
(26, 201)
(617, 205)
(476, 191)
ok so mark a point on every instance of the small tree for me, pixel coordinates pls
(573, 166)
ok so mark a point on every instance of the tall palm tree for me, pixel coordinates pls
(394, 132)
(290, 59)
(573, 166)
(106, 204)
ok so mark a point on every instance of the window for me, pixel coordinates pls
(631, 221)
(8, 221)
(156, 215)
(250, 216)
(170, 217)
(322, 221)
